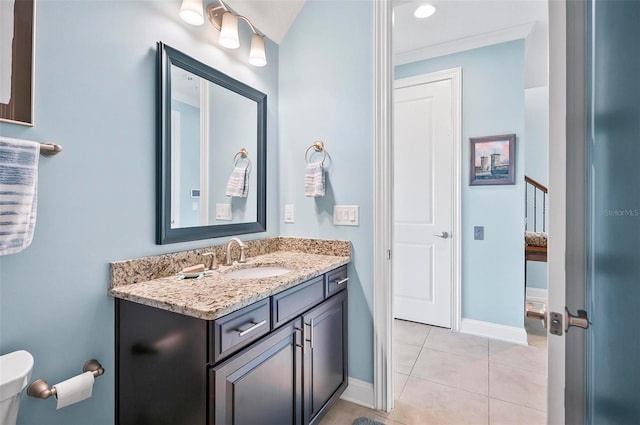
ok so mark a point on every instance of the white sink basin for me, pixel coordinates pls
(257, 272)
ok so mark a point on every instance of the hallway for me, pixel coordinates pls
(442, 377)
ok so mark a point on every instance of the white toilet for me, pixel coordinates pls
(15, 372)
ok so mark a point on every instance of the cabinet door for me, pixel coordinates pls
(262, 384)
(325, 366)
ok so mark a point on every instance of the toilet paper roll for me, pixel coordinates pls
(74, 389)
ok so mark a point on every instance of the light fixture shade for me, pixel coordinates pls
(229, 31)
(257, 54)
(191, 12)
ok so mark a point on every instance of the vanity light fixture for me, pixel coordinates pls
(229, 31)
(424, 11)
(191, 12)
(257, 55)
(226, 21)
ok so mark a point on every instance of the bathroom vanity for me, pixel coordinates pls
(219, 351)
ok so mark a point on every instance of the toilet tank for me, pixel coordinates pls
(15, 372)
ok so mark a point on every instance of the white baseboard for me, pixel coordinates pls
(494, 331)
(537, 295)
(359, 392)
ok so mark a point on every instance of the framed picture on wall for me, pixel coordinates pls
(16, 60)
(492, 160)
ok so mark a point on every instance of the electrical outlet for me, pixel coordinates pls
(478, 233)
(223, 212)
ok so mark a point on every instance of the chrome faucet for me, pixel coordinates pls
(228, 260)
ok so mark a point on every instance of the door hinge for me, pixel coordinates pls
(388, 254)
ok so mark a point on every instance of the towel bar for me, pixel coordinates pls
(50, 149)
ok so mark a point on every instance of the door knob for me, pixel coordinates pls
(580, 321)
(537, 313)
(557, 319)
(443, 235)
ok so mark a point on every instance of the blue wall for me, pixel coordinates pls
(492, 103)
(95, 94)
(326, 93)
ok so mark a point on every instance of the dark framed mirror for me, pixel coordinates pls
(211, 179)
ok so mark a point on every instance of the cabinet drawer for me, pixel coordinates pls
(290, 303)
(336, 280)
(238, 329)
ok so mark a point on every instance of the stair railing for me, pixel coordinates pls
(537, 190)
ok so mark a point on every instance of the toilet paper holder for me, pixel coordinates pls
(40, 388)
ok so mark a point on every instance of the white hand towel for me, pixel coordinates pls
(314, 180)
(18, 193)
(238, 184)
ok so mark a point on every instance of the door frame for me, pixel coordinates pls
(575, 360)
(382, 207)
(557, 204)
(383, 216)
(176, 145)
(455, 76)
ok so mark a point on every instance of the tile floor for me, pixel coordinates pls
(442, 377)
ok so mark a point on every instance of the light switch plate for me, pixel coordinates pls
(223, 212)
(289, 213)
(346, 215)
(478, 233)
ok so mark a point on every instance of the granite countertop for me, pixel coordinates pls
(215, 295)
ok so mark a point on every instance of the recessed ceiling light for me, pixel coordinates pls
(424, 11)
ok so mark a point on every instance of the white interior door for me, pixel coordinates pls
(423, 191)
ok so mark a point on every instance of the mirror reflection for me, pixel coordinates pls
(212, 177)
(211, 126)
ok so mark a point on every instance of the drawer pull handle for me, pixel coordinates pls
(341, 281)
(252, 328)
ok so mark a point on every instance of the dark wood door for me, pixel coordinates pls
(325, 367)
(262, 384)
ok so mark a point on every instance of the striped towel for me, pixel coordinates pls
(18, 193)
(238, 184)
(314, 180)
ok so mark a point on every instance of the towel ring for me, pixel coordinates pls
(318, 146)
(243, 153)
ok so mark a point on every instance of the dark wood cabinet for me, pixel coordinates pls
(281, 360)
(236, 330)
(325, 362)
(160, 366)
(261, 385)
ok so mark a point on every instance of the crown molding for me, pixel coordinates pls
(466, 43)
